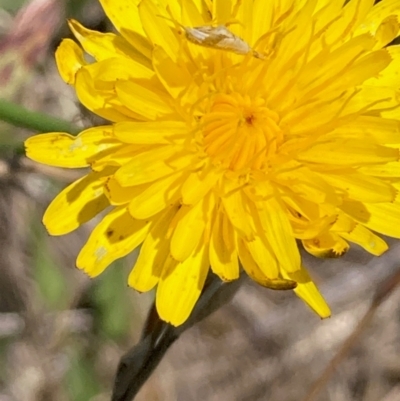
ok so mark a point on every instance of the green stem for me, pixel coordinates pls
(21, 117)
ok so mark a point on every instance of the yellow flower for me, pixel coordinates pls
(238, 127)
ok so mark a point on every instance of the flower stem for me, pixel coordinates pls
(139, 362)
(21, 117)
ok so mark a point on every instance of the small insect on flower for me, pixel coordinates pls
(219, 37)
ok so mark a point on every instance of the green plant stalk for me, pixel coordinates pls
(21, 117)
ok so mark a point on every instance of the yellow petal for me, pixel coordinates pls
(70, 59)
(198, 184)
(96, 86)
(76, 204)
(223, 255)
(190, 224)
(150, 165)
(295, 41)
(150, 132)
(234, 205)
(390, 76)
(326, 245)
(255, 273)
(387, 31)
(150, 104)
(180, 287)
(153, 254)
(263, 255)
(97, 100)
(369, 129)
(125, 17)
(173, 76)
(113, 69)
(115, 236)
(64, 150)
(343, 61)
(367, 66)
(119, 156)
(379, 13)
(278, 231)
(353, 14)
(382, 170)
(309, 293)
(156, 197)
(362, 236)
(307, 230)
(157, 28)
(302, 206)
(244, 16)
(308, 184)
(342, 151)
(381, 217)
(326, 12)
(361, 187)
(262, 17)
(374, 99)
(107, 45)
(193, 14)
(222, 11)
(119, 195)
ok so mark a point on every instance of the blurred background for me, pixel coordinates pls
(61, 334)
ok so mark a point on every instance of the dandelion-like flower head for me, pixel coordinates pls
(239, 127)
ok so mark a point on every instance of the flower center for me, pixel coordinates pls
(241, 133)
